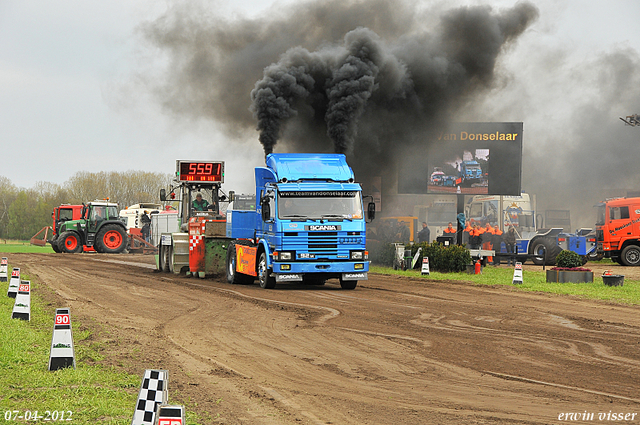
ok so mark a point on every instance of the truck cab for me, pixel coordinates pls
(308, 226)
(618, 230)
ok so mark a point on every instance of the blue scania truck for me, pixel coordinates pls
(308, 225)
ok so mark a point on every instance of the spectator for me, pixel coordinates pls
(146, 225)
(424, 235)
(510, 243)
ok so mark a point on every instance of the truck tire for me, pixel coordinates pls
(266, 281)
(630, 255)
(54, 244)
(69, 242)
(595, 255)
(163, 258)
(348, 284)
(234, 277)
(111, 239)
(550, 245)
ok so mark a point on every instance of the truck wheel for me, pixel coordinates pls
(69, 242)
(54, 244)
(630, 255)
(112, 239)
(266, 281)
(537, 248)
(348, 284)
(169, 251)
(163, 259)
(234, 277)
(595, 255)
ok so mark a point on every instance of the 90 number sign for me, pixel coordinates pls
(62, 319)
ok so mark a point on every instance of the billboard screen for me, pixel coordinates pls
(467, 158)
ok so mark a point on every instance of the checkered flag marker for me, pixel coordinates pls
(517, 274)
(153, 393)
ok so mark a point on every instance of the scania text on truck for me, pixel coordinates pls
(308, 226)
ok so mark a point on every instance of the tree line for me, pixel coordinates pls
(23, 212)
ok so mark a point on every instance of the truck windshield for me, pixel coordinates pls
(316, 205)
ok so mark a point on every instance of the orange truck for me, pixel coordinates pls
(618, 230)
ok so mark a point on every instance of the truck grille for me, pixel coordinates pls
(323, 243)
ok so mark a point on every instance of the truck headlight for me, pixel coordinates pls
(284, 256)
(357, 255)
(358, 266)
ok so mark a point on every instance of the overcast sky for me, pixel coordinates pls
(63, 62)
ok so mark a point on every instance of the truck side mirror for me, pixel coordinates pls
(371, 211)
(163, 195)
(232, 195)
(266, 211)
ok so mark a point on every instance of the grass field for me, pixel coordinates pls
(534, 281)
(89, 394)
(9, 246)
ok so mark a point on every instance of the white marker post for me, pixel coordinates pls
(170, 415)
(425, 266)
(3, 269)
(62, 354)
(14, 283)
(153, 393)
(22, 306)
(517, 274)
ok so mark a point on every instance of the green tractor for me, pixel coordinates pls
(99, 227)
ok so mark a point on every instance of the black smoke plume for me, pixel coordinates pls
(419, 75)
(367, 78)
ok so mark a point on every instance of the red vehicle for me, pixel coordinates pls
(64, 212)
(618, 230)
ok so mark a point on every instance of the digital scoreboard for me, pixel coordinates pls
(200, 171)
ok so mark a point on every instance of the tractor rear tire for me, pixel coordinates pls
(54, 244)
(552, 250)
(630, 255)
(69, 242)
(233, 276)
(111, 239)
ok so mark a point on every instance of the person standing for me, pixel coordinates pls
(146, 225)
(424, 235)
(510, 243)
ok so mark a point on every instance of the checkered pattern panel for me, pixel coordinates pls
(196, 239)
(153, 393)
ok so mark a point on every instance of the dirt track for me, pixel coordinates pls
(393, 351)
